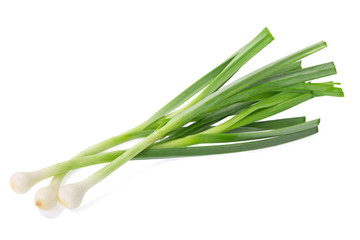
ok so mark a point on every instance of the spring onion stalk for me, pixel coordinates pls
(242, 56)
(272, 124)
(232, 137)
(60, 169)
(216, 77)
(68, 200)
(152, 153)
(242, 104)
(277, 124)
(161, 153)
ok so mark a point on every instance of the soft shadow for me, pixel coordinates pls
(52, 213)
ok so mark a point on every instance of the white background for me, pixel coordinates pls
(75, 72)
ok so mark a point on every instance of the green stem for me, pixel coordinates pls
(177, 101)
(213, 80)
(104, 145)
(127, 155)
(234, 137)
(272, 124)
(239, 60)
(206, 122)
(188, 114)
(134, 133)
(239, 85)
(277, 99)
(161, 153)
(249, 116)
(280, 81)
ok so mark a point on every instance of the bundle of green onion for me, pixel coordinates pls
(174, 129)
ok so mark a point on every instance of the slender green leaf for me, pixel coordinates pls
(233, 88)
(234, 137)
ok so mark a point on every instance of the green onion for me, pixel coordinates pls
(262, 136)
(216, 77)
(175, 128)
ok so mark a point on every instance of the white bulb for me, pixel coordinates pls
(46, 198)
(21, 182)
(71, 195)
